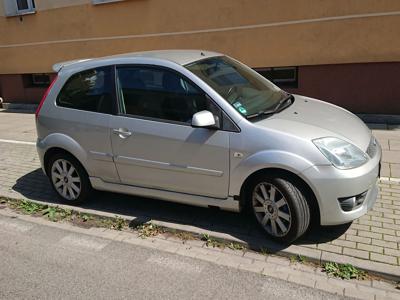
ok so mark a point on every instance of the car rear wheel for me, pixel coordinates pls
(68, 178)
(280, 207)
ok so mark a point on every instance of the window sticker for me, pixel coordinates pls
(237, 104)
(242, 110)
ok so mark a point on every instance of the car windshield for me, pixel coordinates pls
(247, 91)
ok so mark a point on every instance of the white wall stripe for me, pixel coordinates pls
(17, 142)
(211, 30)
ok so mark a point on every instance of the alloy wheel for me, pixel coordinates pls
(66, 179)
(271, 209)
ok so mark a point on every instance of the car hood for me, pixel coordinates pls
(310, 119)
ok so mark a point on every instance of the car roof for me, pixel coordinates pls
(181, 57)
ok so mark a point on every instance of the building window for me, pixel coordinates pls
(40, 79)
(19, 7)
(281, 76)
(36, 80)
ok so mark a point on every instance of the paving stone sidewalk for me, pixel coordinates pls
(372, 242)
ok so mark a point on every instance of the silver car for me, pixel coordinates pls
(201, 128)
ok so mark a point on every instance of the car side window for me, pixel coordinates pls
(158, 93)
(89, 90)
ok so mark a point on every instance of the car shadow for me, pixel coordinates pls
(35, 185)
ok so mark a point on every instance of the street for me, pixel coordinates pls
(42, 262)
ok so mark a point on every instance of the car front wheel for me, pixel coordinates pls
(280, 207)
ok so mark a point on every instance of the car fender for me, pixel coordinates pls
(264, 160)
(65, 142)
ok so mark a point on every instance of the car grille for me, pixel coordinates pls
(372, 147)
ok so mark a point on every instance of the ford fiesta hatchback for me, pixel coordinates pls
(201, 128)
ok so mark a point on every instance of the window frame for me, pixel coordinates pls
(31, 7)
(114, 105)
(222, 113)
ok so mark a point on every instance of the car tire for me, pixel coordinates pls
(68, 178)
(280, 207)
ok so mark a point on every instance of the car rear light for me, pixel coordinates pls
(45, 96)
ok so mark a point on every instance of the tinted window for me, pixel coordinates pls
(90, 90)
(161, 94)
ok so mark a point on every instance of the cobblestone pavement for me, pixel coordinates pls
(372, 242)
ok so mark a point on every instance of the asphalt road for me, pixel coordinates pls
(39, 261)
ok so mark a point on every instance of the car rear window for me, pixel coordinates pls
(90, 90)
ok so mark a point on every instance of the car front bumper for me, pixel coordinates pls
(330, 184)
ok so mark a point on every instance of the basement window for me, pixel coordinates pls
(36, 80)
(281, 76)
(19, 7)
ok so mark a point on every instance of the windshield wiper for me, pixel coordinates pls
(284, 103)
(279, 107)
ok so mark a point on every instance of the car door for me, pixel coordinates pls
(153, 142)
(85, 105)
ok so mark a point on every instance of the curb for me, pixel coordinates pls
(390, 272)
(380, 119)
(17, 107)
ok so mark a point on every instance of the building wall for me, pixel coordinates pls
(35, 42)
(360, 88)
(312, 34)
(14, 89)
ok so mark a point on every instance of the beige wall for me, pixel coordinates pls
(35, 42)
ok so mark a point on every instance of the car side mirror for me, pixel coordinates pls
(204, 119)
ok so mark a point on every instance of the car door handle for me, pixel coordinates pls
(122, 133)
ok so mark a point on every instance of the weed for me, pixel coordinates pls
(65, 213)
(264, 251)
(148, 230)
(343, 271)
(51, 213)
(297, 259)
(85, 218)
(118, 223)
(211, 242)
(301, 258)
(236, 246)
(184, 236)
(29, 207)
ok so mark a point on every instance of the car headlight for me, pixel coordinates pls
(341, 154)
